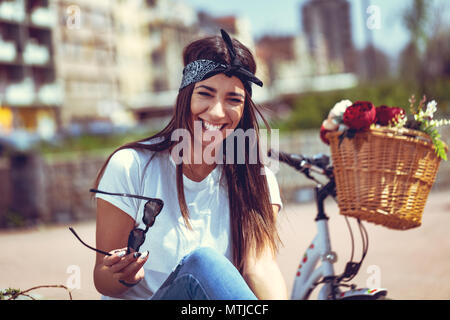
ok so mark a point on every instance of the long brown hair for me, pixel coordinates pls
(253, 225)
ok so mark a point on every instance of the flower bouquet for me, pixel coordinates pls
(385, 162)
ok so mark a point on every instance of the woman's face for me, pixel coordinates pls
(217, 105)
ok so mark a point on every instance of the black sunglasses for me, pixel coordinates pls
(152, 208)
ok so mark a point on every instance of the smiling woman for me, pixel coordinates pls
(218, 103)
(216, 236)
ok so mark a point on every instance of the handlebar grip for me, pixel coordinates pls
(294, 160)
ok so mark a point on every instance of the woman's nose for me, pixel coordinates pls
(217, 111)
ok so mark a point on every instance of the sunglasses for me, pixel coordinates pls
(136, 238)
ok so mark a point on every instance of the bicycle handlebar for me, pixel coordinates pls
(319, 163)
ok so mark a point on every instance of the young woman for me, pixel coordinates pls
(215, 237)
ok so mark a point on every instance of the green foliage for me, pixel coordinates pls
(8, 293)
(310, 109)
(435, 138)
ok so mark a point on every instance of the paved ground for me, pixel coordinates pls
(413, 264)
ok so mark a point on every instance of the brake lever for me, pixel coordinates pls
(306, 171)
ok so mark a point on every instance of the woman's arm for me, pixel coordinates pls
(263, 275)
(113, 227)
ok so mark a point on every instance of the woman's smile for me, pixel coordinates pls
(209, 126)
(217, 104)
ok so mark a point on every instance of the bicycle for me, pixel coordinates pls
(309, 275)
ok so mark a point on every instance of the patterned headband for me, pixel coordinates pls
(202, 69)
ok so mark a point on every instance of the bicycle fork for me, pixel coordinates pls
(308, 276)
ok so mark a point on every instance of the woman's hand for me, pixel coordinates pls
(126, 267)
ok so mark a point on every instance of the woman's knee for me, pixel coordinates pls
(203, 257)
(215, 274)
(206, 259)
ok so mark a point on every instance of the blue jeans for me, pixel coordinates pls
(204, 274)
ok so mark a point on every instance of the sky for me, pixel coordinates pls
(284, 17)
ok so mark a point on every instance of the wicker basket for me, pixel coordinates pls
(384, 175)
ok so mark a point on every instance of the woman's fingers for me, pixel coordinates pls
(125, 266)
(131, 269)
(115, 257)
(123, 262)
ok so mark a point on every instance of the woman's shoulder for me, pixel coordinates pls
(270, 174)
(135, 155)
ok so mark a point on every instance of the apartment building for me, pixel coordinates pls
(85, 59)
(169, 26)
(30, 93)
(327, 26)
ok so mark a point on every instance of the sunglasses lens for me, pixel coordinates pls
(136, 239)
(151, 210)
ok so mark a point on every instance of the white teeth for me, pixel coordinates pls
(209, 126)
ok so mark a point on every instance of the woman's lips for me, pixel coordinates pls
(212, 127)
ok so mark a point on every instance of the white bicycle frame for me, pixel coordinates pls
(307, 274)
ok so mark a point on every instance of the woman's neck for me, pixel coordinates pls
(198, 172)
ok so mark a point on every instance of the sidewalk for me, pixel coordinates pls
(413, 264)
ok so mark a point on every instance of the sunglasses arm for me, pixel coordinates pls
(95, 249)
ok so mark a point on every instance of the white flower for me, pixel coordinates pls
(330, 125)
(401, 121)
(431, 109)
(440, 123)
(339, 109)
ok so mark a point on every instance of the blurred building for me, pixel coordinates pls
(85, 59)
(167, 25)
(293, 70)
(78, 61)
(327, 26)
(65, 62)
(238, 27)
(30, 95)
(285, 57)
(133, 54)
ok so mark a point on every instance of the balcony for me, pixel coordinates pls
(35, 54)
(51, 94)
(26, 93)
(21, 93)
(8, 51)
(12, 10)
(43, 17)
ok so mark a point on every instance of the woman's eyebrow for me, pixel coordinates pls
(207, 88)
(234, 94)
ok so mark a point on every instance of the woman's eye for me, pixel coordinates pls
(236, 100)
(206, 94)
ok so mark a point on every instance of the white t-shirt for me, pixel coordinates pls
(168, 240)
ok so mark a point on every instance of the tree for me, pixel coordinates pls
(416, 20)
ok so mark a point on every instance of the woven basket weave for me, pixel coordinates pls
(384, 175)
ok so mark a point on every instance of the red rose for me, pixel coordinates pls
(360, 115)
(386, 114)
(323, 133)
